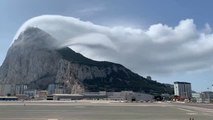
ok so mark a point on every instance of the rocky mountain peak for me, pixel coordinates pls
(33, 36)
(32, 60)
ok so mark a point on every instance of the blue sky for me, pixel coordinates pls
(135, 13)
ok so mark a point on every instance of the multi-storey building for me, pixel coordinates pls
(20, 88)
(207, 96)
(183, 89)
(56, 89)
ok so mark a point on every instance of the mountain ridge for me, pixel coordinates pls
(34, 61)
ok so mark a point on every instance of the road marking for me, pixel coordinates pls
(189, 112)
(28, 119)
(186, 110)
(25, 119)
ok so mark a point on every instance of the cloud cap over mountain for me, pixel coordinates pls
(160, 49)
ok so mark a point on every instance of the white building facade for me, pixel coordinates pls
(20, 88)
(183, 89)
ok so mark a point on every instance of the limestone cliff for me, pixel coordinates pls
(34, 60)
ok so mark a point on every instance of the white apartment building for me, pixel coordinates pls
(183, 89)
(20, 88)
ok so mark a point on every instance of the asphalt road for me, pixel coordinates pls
(202, 105)
(101, 111)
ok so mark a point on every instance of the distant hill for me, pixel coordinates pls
(34, 61)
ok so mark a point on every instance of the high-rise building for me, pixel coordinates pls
(183, 89)
(207, 96)
(56, 89)
(51, 89)
(20, 88)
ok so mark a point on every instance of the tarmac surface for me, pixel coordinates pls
(75, 110)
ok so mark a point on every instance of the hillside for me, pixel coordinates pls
(32, 60)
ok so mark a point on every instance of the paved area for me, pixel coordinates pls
(202, 105)
(101, 111)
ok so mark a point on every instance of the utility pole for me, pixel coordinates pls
(212, 87)
(208, 96)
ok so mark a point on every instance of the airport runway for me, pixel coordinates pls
(101, 111)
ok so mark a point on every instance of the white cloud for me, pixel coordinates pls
(158, 49)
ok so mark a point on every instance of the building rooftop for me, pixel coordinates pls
(177, 82)
(67, 95)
